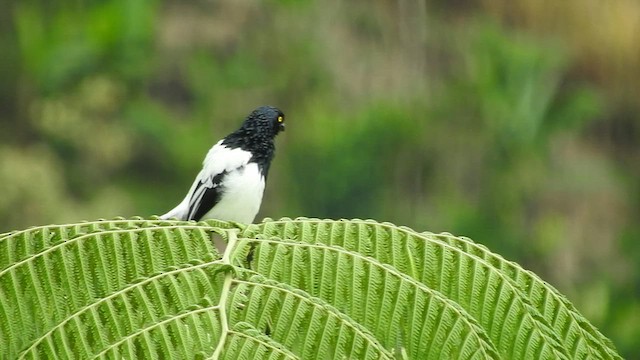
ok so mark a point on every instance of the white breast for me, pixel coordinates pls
(242, 195)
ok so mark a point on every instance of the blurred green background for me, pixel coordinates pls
(516, 123)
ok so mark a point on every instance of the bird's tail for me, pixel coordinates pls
(179, 212)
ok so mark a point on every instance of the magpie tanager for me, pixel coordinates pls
(231, 183)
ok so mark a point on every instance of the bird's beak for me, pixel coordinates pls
(281, 127)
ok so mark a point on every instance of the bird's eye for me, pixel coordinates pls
(280, 119)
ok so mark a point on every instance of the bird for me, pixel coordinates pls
(231, 183)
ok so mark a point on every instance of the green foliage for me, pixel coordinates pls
(63, 44)
(328, 146)
(279, 289)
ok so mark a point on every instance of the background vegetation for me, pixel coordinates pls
(513, 122)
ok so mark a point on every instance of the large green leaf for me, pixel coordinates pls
(300, 289)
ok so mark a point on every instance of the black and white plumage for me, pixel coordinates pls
(232, 180)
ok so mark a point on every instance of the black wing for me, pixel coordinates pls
(205, 196)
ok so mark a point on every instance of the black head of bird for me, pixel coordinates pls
(265, 121)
